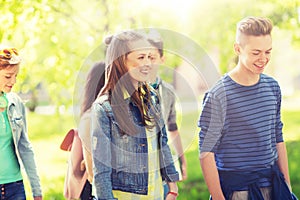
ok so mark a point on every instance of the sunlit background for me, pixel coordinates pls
(56, 37)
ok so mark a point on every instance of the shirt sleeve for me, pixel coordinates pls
(211, 123)
(101, 152)
(279, 124)
(172, 124)
(27, 155)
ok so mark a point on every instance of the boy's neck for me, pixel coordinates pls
(243, 76)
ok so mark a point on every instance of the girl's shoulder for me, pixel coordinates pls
(101, 99)
(14, 99)
(103, 102)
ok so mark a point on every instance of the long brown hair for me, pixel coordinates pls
(93, 85)
(118, 81)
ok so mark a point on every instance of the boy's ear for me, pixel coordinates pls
(237, 48)
(163, 59)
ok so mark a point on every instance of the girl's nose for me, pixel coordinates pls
(13, 80)
(148, 61)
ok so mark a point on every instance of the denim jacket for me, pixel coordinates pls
(121, 161)
(23, 149)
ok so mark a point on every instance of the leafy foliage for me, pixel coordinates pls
(55, 37)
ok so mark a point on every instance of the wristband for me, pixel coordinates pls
(173, 193)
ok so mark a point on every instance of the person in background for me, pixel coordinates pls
(131, 156)
(242, 151)
(79, 178)
(167, 98)
(15, 147)
(94, 83)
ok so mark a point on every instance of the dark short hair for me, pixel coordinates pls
(157, 42)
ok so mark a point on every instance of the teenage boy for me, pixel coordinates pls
(167, 97)
(242, 152)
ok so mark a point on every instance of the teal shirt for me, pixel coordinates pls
(10, 168)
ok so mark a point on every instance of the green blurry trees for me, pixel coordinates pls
(55, 37)
(217, 20)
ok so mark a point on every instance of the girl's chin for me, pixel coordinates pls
(6, 90)
(140, 80)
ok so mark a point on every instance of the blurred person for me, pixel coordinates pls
(167, 99)
(242, 151)
(79, 179)
(130, 152)
(15, 146)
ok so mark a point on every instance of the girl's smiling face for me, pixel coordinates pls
(8, 77)
(138, 62)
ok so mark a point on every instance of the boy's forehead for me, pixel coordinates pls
(251, 40)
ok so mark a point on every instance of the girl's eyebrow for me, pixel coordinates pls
(142, 54)
(9, 73)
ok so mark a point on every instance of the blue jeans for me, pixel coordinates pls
(12, 191)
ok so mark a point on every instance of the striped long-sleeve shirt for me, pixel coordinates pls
(241, 124)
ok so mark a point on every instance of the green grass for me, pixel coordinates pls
(47, 132)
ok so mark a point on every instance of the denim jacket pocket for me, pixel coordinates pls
(16, 119)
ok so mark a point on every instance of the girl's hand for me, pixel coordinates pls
(171, 196)
(173, 191)
(82, 165)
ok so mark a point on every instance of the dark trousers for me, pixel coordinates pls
(86, 193)
(12, 191)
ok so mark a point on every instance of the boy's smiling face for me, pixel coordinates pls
(254, 52)
(156, 61)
